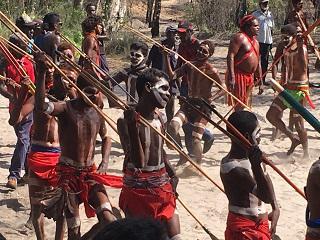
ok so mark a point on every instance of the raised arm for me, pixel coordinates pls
(40, 104)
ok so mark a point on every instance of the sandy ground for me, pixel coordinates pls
(207, 202)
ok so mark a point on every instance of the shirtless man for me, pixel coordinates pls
(44, 154)
(77, 180)
(296, 81)
(129, 75)
(313, 208)
(285, 40)
(243, 62)
(297, 9)
(247, 185)
(149, 180)
(50, 41)
(91, 27)
(198, 87)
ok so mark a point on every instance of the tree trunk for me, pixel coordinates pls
(156, 19)
(117, 12)
(149, 11)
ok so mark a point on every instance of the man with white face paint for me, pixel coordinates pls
(138, 56)
(149, 180)
(295, 80)
(198, 87)
(247, 184)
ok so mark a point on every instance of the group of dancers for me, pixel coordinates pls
(61, 110)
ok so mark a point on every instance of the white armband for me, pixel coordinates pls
(50, 108)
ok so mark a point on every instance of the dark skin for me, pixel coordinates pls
(299, 71)
(238, 47)
(292, 16)
(199, 87)
(90, 46)
(238, 183)
(312, 191)
(78, 129)
(45, 134)
(132, 139)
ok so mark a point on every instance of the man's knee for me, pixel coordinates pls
(174, 125)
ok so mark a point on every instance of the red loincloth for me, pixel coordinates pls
(243, 81)
(81, 181)
(156, 202)
(43, 164)
(241, 228)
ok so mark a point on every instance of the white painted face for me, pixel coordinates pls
(136, 57)
(161, 92)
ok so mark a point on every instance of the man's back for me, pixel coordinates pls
(78, 129)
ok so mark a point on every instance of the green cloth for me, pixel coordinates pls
(296, 94)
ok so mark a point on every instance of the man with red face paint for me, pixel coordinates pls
(243, 62)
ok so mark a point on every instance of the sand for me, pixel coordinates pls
(206, 201)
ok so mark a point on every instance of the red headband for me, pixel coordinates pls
(246, 19)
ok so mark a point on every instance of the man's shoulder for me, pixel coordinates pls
(256, 13)
(231, 164)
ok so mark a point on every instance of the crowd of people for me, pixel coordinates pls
(57, 125)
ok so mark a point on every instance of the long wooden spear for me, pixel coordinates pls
(124, 106)
(306, 33)
(314, 122)
(16, 65)
(17, 49)
(7, 22)
(241, 140)
(91, 79)
(304, 28)
(189, 63)
(197, 219)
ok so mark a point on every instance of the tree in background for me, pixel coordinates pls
(153, 16)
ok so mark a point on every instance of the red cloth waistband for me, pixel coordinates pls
(43, 164)
(80, 181)
(240, 227)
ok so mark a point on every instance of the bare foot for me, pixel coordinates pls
(182, 161)
(295, 142)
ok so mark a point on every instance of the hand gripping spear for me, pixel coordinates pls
(102, 88)
(240, 139)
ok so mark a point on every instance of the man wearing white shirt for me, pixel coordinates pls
(264, 38)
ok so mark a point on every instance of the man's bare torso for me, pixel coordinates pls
(250, 64)
(239, 184)
(199, 85)
(313, 189)
(78, 129)
(296, 70)
(152, 145)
